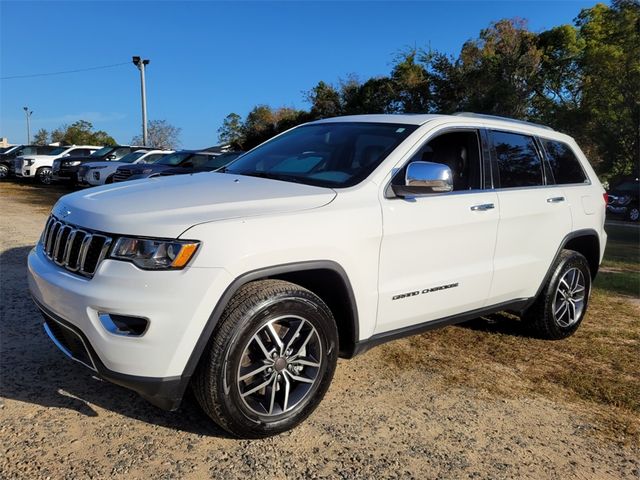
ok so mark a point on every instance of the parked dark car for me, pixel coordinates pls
(8, 157)
(184, 161)
(623, 199)
(66, 169)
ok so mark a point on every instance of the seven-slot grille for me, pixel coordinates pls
(122, 174)
(79, 251)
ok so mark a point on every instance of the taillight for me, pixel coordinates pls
(605, 195)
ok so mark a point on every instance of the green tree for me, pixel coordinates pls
(160, 134)
(410, 84)
(41, 137)
(81, 133)
(325, 101)
(610, 65)
(231, 130)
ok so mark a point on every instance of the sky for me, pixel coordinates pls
(212, 58)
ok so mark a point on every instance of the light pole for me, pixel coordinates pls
(141, 64)
(28, 113)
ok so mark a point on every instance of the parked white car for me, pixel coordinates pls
(326, 240)
(40, 166)
(100, 173)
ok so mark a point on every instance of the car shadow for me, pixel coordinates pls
(502, 322)
(33, 370)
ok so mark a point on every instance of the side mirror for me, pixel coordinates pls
(424, 178)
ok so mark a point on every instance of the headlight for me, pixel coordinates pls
(624, 199)
(154, 254)
(73, 163)
(28, 162)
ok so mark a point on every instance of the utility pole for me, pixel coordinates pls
(28, 113)
(141, 64)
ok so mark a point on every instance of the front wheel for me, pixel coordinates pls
(560, 308)
(633, 214)
(44, 176)
(270, 361)
(4, 171)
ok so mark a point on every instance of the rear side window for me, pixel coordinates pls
(519, 164)
(564, 164)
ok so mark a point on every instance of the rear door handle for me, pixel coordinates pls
(482, 207)
(555, 199)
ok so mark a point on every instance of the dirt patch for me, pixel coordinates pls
(479, 401)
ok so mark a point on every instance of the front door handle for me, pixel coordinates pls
(483, 207)
(555, 199)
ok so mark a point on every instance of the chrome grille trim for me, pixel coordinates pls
(58, 241)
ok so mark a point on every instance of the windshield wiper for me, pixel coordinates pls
(272, 176)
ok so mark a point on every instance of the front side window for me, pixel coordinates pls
(564, 164)
(519, 164)
(340, 154)
(458, 150)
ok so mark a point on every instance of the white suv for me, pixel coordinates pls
(40, 166)
(326, 240)
(101, 173)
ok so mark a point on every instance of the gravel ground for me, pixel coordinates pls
(378, 420)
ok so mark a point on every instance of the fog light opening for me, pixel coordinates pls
(123, 324)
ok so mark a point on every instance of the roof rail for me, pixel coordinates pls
(498, 117)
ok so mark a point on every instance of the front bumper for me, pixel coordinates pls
(176, 303)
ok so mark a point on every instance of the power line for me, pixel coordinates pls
(64, 72)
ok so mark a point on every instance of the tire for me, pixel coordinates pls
(4, 172)
(44, 176)
(633, 214)
(249, 385)
(562, 304)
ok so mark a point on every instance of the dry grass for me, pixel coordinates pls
(598, 368)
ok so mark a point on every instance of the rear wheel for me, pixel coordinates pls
(44, 175)
(633, 214)
(270, 361)
(560, 308)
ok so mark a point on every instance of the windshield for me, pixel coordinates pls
(174, 159)
(326, 154)
(132, 157)
(221, 160)
(102, 152)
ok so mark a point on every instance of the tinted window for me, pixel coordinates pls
(121, 152)
(518, 162)
(174, 158)
(565, 166)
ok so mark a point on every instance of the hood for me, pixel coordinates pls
(82, 158)
(167, 206)
(104, 163)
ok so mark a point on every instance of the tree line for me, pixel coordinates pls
(582, 79)
(161, 134)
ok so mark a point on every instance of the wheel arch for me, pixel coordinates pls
(312, 275)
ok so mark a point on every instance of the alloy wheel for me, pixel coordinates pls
(45, 176)
(569, 300)
(4, 171)
(280, 365)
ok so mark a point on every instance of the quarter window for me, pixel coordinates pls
(519, 164)
(564, 164)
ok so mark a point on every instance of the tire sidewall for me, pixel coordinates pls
(284, 304)
(568, 261)
(4, 171)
